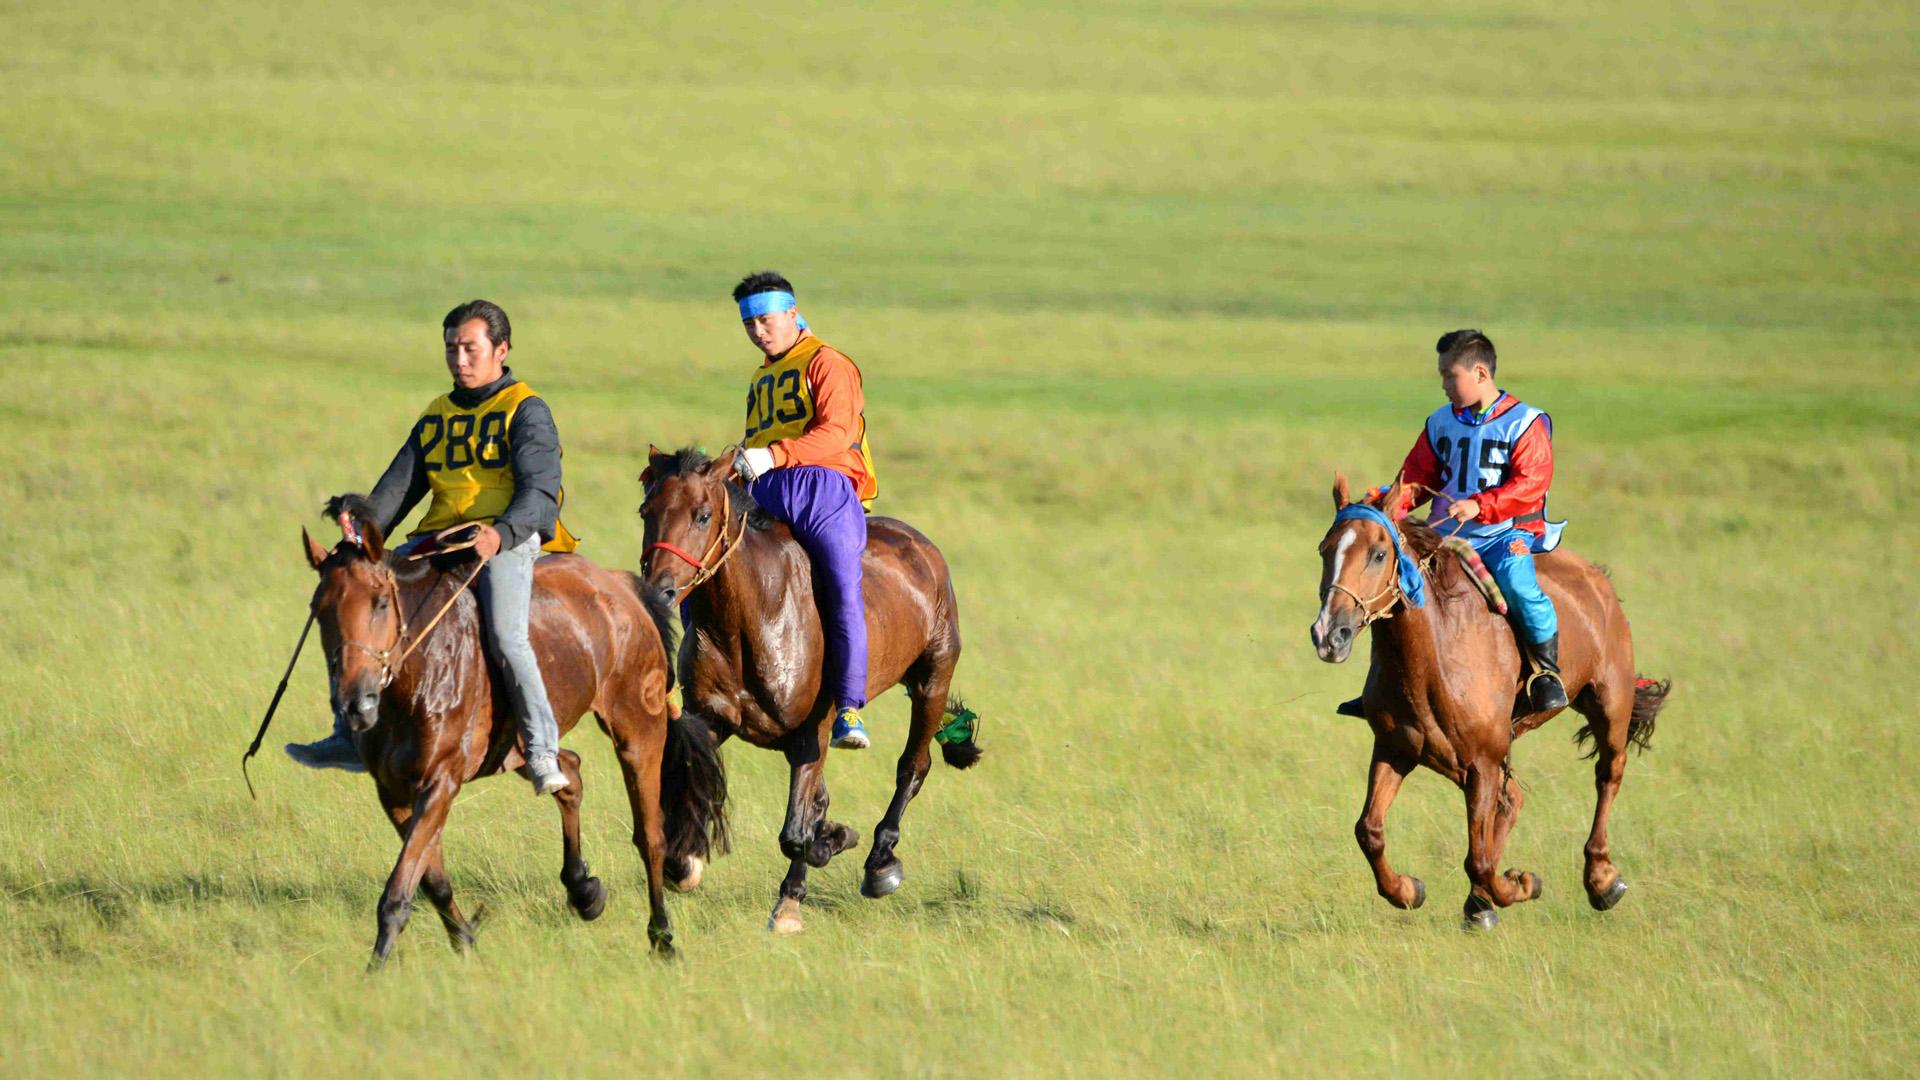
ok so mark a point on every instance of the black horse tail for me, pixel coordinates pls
(660, 610)
(1648, 697)
(693, 792)
(956, 737)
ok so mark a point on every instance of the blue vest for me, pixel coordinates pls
(1475, 457)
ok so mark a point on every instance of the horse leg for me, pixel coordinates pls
(437, 885)
(1508, 805)
(640, 753)
(884, 872)
(1485, 781)
(428, 817)
(1609, 724)
(584, 891)
(1384, 775)
(806, 752)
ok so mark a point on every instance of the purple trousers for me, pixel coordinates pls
(820, 506)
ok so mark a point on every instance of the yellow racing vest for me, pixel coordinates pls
(469, 463)
(780, 406)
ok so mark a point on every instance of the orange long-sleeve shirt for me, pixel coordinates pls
(832, 437)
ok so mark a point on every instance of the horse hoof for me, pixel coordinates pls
(1606, 898)
(1479, 915)
(589, 898)
(696, 867)
(663, 949)
(1484, 919)
(883, 880)
(786, 917)
(1536, 887)
(1419, 894)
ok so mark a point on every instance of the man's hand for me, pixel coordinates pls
(753, 462)
(486, 542)
(1464, 510)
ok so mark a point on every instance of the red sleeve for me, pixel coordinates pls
(1527, 481)
(837, 405)
(1421, 470)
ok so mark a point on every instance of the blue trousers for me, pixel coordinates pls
(1509, 558)
(820, 506)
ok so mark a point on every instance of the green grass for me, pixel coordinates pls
(1128, 282)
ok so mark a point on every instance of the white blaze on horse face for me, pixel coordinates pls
(1322, 624)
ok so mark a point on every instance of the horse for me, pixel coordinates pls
(436, 718)
(1441, 692)
(750, 664)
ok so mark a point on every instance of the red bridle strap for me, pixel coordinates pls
(673, 549)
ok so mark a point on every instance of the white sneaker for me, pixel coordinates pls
(546, 775)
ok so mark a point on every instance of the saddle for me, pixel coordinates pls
(1477, 573)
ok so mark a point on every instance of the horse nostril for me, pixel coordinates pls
(1342, 635)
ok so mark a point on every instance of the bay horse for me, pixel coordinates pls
(1442, 691)
(751, 661)
(436, 717)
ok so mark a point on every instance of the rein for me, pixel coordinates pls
(389, 669)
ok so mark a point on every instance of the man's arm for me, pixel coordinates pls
(401, 487)
(1528, 478)
(837, 404)
(536, 475)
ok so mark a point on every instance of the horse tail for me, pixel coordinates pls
(693, 792)
(660, 610)
(1648, 697)
(956, 736)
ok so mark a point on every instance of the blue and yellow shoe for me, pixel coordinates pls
(848, 732)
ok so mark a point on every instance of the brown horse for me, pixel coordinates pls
(438, 718)
(751, 661)
(1441, 692)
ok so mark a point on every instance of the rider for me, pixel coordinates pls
(1486, 459)
(489, 454)
(806, 460)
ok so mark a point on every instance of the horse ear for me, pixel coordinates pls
(723, 465)
(315, 553)
(1393, 502)
(371, 541)
(654, 454)
(1340, 499)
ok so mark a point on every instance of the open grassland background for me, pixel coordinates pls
(1128, 281)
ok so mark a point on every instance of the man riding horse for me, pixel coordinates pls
(806, 460)
(1486, 460)
(489, 455)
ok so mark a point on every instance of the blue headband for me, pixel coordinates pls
(765, 303)
(1413, 584)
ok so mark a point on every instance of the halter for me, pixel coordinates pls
(704, 570)
(1404, 566)
(389, 665)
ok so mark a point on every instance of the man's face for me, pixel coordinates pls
(472, 359)
(775, 332)
(1465, 384)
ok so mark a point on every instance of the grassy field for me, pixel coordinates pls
(1129, 282)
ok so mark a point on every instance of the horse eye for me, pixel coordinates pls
(702, 516)
(1379, 555)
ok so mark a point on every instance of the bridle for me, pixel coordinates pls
(1368, 616)
(389, 664)
(706, 566)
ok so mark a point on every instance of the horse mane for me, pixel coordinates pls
(689, 459)
(1445, 574)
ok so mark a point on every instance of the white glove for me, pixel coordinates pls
(753, 463)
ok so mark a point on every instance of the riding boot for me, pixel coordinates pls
(336, 751)
(1351, 708)
(1544, 688)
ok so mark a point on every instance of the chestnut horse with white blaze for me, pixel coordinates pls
(1442, 690)
(406, 666)
(751, 661)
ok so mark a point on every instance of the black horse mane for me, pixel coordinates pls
(360, 511)
(1445, 574)
(690, 459)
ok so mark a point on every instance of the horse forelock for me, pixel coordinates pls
(689, 461)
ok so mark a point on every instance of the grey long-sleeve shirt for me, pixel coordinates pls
(534, 445)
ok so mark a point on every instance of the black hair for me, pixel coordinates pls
(499, 330)
(759, 282)
(1463, 348)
